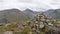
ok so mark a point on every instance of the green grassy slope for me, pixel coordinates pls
(13, 15)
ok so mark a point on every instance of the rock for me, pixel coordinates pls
(47, 21)
(36, 22)
(8, 32)
(41, 25)
(42, 20)
(30, 33)
(50, 24)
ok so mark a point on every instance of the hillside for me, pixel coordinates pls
(53, 13)
(12, 15)
(29, 13)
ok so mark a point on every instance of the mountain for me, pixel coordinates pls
(12, 15)
(54, 13)
(29, 13)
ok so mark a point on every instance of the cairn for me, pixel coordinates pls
(40, 22)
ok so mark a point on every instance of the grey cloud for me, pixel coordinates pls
(32, 4)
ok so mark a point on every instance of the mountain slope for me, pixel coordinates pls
(13, 15)
(29, 13)
(53, 13)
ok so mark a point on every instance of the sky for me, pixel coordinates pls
(36, 5)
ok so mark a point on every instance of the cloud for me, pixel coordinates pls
(32, 4)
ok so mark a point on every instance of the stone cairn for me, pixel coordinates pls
(40, 22)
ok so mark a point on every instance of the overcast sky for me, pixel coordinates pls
(31, 4)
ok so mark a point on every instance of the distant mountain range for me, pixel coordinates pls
(13, 15)
(54, 13)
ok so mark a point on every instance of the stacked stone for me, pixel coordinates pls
(39, 22)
